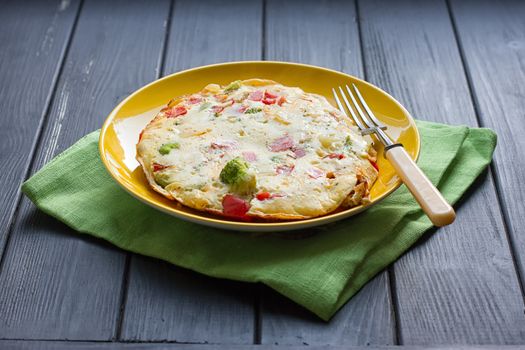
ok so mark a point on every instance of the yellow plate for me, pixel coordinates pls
(121, 130)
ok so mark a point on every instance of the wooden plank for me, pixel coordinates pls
(459, 285)
(206, 32)
(492, 36)
(325, 34)
(165, 302)
(182, 306)
(33, 40)
(55, 284)
(365, 320)
(52, 345)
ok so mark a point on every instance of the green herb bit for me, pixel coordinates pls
(167, 147)
(276, 159)
(204, 106)
(233, 86)
(348, 141)
(253, 110)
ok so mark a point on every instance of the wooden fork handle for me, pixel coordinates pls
(426, 194)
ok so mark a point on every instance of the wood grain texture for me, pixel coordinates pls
(33, 40)
(322, 33)
(206, 32)
(167, 302)
(365, 320)
(55, 284)
(53, 345)
(460, 285)
(184, 306)
(492, 36)
(325, 34)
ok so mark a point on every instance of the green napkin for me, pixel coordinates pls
(320, 272)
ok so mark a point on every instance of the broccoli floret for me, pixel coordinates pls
(233, 86)
(239, 176)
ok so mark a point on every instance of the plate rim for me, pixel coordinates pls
(241, 225)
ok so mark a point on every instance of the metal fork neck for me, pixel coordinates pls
(381, 135)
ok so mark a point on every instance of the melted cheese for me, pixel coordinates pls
(304, 152)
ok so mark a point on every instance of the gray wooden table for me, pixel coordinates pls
(65, 64)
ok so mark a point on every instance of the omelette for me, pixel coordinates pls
(257, 149)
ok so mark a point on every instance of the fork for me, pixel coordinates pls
(426, 194)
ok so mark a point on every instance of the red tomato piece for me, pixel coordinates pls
(281, 100)
(158, 167)
(268, 101)
(374, 164)
(263, 195)
(336, 155)
(176, 111)
(269, 95)
(234, 206)
(281, 144)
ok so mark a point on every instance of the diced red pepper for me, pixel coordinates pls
(263, 195)
(281, 100)
(234, 206)
(374, 164)
(269, 95)
(268, 101)
(176, 111)
(256, 95)
(336, 155)
(140, 135)
(158, 167)
(281, 144)
(266, 195)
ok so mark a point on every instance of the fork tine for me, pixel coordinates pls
(363, 116)
(339, 105)
(368, 110)
(361, 126)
